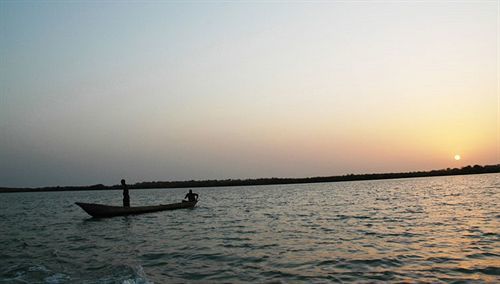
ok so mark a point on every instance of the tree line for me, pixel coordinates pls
(476, 169)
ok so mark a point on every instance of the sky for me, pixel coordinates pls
(92, 92)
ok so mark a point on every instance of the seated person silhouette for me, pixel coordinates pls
(191, 196)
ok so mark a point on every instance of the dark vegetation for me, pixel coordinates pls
(477, 169)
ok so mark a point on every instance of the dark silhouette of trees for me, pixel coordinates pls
(476, 169)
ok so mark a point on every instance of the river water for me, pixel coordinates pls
(438, 229)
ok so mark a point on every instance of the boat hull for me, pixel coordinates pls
(103, 211)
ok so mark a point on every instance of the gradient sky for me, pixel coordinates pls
(95, 92)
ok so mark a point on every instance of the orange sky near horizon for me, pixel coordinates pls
(95, 92)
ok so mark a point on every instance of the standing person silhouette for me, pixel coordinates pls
(126, 197)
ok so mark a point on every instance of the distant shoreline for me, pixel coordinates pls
(468, 170)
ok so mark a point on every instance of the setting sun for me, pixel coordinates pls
(457, 157)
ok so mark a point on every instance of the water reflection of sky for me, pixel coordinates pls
(426, 229)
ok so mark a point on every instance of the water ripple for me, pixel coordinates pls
(428, 230)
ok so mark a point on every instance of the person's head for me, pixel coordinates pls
(190, 191)
(123, 182)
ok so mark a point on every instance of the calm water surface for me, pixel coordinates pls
(441, 229)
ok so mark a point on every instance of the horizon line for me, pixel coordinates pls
(475, 169)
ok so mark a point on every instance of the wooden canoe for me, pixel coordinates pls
(101, 211)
